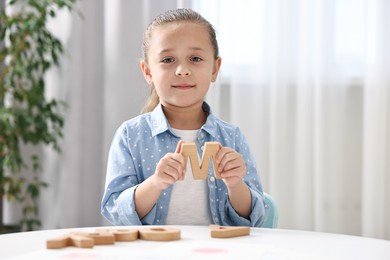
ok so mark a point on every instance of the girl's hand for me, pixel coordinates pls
(169, 169)
(231, 166)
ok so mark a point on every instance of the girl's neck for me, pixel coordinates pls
(191, 118)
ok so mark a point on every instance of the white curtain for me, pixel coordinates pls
(101, 81)
(308, 81)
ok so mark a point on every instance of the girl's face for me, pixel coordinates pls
(181, 64)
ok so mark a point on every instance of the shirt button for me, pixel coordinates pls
(212, 179)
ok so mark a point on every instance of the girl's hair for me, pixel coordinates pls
(171, 16)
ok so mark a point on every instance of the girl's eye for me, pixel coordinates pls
(167, 60)
(196, 59)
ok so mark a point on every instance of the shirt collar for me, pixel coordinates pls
(160, 124)
(211, 125)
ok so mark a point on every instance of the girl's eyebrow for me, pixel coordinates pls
(163, 51)
(198, 49)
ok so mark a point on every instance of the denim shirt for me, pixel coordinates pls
(141, 142)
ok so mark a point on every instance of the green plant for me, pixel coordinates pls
(27, 117)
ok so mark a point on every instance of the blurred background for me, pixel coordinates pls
(307, 81)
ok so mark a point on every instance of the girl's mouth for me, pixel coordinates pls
(184, 86)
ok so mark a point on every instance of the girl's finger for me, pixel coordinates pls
(178, 147)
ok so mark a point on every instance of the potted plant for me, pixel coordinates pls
(27, 117)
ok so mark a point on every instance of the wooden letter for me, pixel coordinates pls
(101, 238)
(160, 234)
(227, 232)
(70, 240)
(81, 241)
(58, 242)
(199, 171)
(121, 234)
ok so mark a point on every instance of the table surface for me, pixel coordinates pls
(196, 243)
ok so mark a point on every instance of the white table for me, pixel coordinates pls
(196, 243)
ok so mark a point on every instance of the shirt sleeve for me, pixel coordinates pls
(118, 205)
(252, 180)
(257, 216)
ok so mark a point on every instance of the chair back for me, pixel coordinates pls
(273, 213)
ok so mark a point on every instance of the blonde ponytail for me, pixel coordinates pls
(152, 101)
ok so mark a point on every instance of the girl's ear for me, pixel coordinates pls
(217, 66)
(146, 72)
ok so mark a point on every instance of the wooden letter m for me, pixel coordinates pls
(199, 170)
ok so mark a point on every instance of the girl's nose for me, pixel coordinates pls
(182, 71)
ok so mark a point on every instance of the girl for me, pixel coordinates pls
(147, 181)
